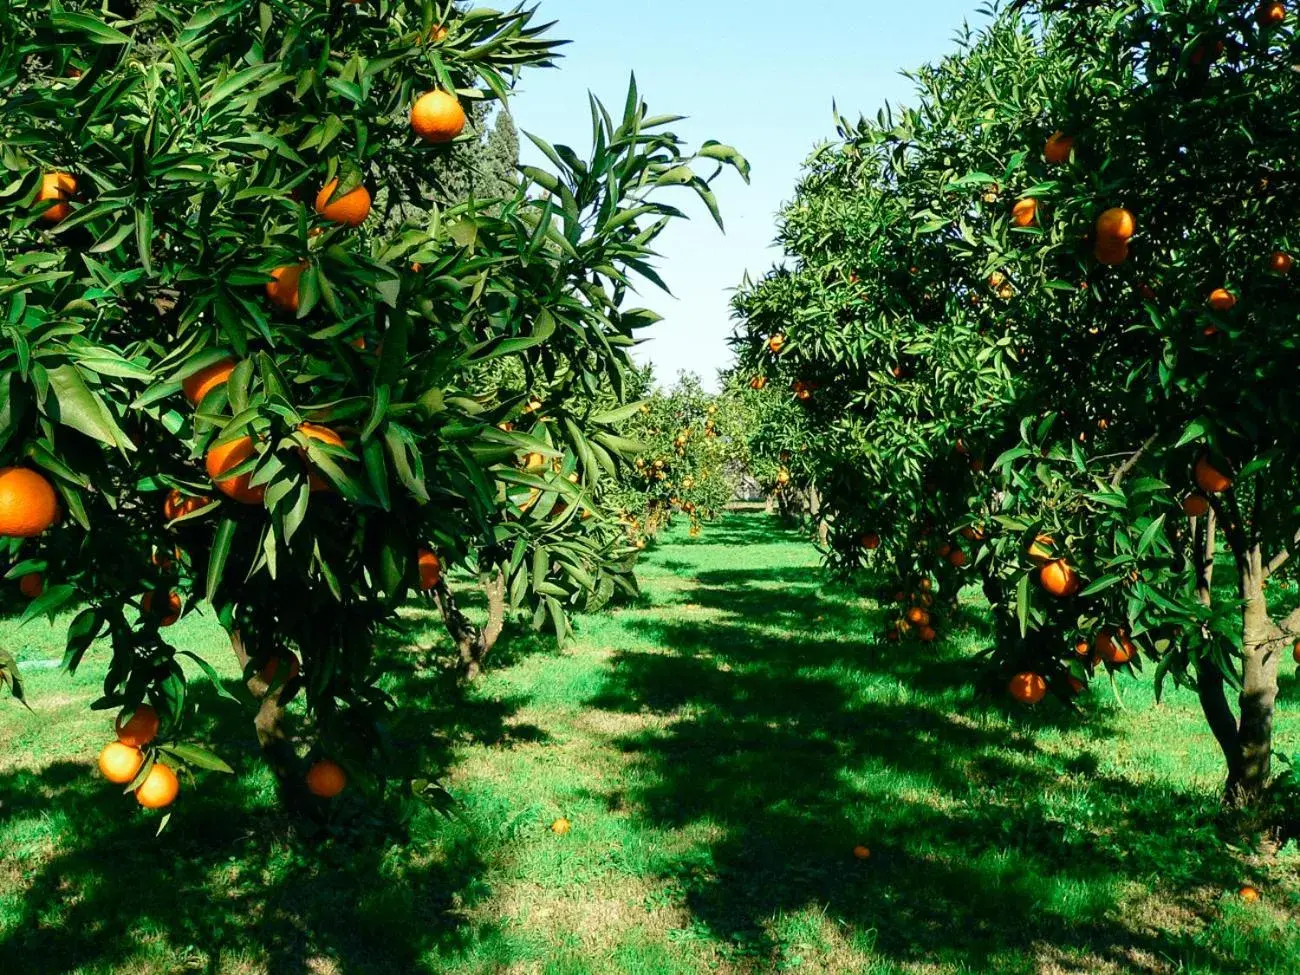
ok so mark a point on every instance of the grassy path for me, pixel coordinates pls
(719, 748)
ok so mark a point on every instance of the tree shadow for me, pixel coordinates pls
(375, 882)
(801, 734)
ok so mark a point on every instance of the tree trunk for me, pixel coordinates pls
(818, 516)
(269, 722)
(1262, 642)
(473, 644)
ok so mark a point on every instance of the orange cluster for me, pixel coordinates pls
(120, 761)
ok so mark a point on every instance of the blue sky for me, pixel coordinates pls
(758, 74)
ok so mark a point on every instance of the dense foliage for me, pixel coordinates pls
(243, 398)
(1050, 322)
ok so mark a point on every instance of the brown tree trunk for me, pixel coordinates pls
(269, 722)
(473, 643)
(1262, 642)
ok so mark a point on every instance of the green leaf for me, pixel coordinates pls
(196, 755)
(93, 27)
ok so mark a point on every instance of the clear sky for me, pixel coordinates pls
(761, 75)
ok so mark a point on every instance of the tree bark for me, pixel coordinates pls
(269, 722)
(473, 643)
(1262, 642)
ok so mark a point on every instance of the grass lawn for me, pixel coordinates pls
(719, 748)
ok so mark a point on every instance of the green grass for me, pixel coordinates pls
(719, 747)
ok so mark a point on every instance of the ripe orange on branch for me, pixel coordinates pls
(1059, 579)
(120, 763)
(1025, 212)
(199, 384)
(322, 434)
(159, 788)
(141, 729)
(350, 209)
(1058, 148)
(31, 585)
(169, 615)
(437, 117)
(179, 505)
(1221, 299)
(28, 504)
(1280, 262)
(1116, 224)
(283, 290)
(1115, 647)
(326, 779)
(1196, 505)
(1208, 478)
(1270, 14)
(225, 457)
(58, 187)
(1027, 687)
(430, 569)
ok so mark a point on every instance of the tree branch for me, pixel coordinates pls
(1125, 468)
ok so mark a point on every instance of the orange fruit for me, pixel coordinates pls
(172, 613)
(119, 763)
(179, 505)
(141, 729)
(1270, 14)
(1208, 478)
(758, 382)
(1025, 212)
(776, 343)
(1059, 579)
(1076, 686)
(283, 290)
(272, 667)
(198, 385)
(927, 634)
(1295, 652)
(561, 826)
(926, 585)
(918, 616)
(1110, 251)
(870, 541)
(1040, 550)
(438, 34)
(323, 434)
(437, 116)
(1115, 647)
(957, 558)
(28, 504)
(1221, 299)
(326, 779)
(430, 569)
(861, 852)
(31, 585)
(1196, 505)
(1058, 148)
(1248, 893)
(1082, 648)
(159, 788)
(350, 209)
(1116, 224)
(227, 456)
(1280, 262)
(58, 187)
(1027, 687)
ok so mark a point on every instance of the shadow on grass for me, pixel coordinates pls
(378, 883)
(803, 735)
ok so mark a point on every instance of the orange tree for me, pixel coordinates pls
(237, 369)
(1051, 315)
(685, 442)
